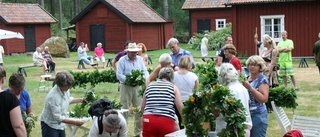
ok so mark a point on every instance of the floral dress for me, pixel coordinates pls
(273, 78)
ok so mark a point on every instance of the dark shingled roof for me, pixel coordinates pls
(17, 13)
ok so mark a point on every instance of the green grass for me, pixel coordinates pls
(307, 79)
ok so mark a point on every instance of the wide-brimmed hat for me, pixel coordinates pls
(132, 47)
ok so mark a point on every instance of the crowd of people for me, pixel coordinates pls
(167, 87)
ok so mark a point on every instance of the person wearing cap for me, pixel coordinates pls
(128, 94)
(177, 52)
(204, 47)
(119, 55)
(82, 54)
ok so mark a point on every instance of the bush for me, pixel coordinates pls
(216, 38)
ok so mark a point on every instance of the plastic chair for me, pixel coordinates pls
(282, 118)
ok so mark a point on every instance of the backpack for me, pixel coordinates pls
(97, 109)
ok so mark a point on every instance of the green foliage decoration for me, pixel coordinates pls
(207, 73)
(29, 122)
(282, 97)
(232, 109)
(95, 77)
(136, 78)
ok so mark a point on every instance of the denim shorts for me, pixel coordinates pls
(259, 124)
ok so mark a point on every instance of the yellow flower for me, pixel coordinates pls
(192, 99)
(228, 133)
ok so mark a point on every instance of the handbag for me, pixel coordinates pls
(276, 67)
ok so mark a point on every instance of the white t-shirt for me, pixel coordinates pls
(185, 83)
(1, 52)
(36, 56)
(123, 131)
(261, 48)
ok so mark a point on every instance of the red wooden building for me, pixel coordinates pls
(112, 22)
(300, 18)
(31, 20)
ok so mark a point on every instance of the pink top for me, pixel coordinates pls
(98, 52)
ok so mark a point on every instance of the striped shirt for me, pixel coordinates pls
(160, 99)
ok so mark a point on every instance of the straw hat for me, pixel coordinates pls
(132, 47)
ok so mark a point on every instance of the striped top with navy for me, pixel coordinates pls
(160, 99)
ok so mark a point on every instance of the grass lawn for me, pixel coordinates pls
(307, 79)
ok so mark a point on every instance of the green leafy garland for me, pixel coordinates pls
(136, 78)
(95, 77)
(282, 97)
(29, 122)
(198, 109)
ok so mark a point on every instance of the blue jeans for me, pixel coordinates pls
(51, 132)
(259, 124)
(86, 59)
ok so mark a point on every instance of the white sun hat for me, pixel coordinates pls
(132, 47)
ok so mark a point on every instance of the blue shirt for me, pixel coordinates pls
(255, 106)
(81, 53)
(182, 52)
(24, 100)
(125, 66)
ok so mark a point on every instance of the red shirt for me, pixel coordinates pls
(236, 63)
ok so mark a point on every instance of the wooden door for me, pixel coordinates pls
(30, 38)
(203, 25)
(97, 34)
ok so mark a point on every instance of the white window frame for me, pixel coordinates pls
(217, 23)
(262, 25)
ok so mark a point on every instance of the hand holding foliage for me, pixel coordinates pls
(136, 78)
(29, 122)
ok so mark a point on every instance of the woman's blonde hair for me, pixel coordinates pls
(185, 62)
(255, 59)
(143, 47)
(269, 40)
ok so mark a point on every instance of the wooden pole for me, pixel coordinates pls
(256, 47)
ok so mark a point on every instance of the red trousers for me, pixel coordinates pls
(156, 126)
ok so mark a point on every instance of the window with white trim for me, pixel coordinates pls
(220, 23)
(272, 25)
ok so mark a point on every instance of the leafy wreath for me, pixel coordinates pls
(200, 106)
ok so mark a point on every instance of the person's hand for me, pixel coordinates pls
(78, 123)
(247, 84)
(255, 36)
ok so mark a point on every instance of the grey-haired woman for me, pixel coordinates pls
(114, 125)
(54, 113)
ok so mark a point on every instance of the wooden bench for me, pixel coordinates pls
(80, 64)
(22, 71)
(303, 62)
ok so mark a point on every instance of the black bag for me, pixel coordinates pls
(97, 109)
(276, 67)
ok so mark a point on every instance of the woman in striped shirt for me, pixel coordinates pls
(158, 105)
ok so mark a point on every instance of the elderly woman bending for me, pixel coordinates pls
(229, 75)
(258, 88)
(54, 113)
(114, 125)
(158, 105)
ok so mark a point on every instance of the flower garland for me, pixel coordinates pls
(232, 110)
(29, 122)
(202, 105)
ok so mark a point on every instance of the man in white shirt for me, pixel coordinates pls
(38, 60)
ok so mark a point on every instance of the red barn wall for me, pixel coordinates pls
(212, 14)
(149, 34)
(115, 28)
(42, 33)
(301, 21)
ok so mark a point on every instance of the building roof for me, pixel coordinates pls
(133, 11)
(237, 2)
(202, 4)
(17, 13)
